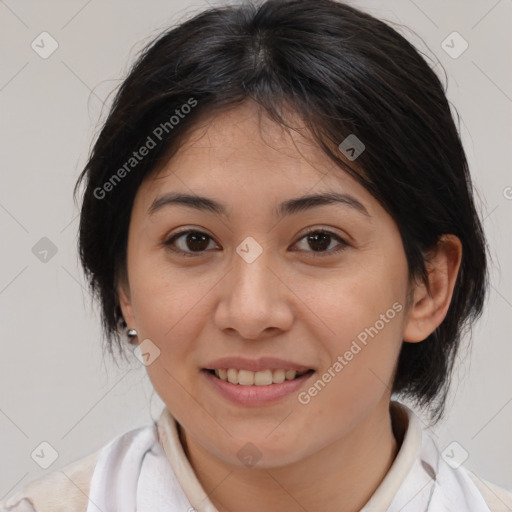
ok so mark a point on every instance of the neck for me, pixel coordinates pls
(340, 477)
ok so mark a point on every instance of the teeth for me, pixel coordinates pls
(245, 378)
(262, 378)
(290, 374)
(278, 376)
(233, 376)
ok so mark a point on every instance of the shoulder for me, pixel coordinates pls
(68, 489)
(64, 490)
(453, 488)
(498, 499)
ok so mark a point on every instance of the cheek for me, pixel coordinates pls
(170, 312)
(356, 301)
(362, 358)
(170, 308)
(363, 349)
(364, 312)
(165, 298)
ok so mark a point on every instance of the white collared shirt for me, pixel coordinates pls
(146, 470)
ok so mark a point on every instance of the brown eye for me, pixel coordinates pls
(189, 242)
(320, 241)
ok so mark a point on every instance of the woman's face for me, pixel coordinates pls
(252, 291)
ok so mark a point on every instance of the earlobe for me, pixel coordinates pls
(431, 302)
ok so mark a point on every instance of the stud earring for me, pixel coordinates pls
(131, 333)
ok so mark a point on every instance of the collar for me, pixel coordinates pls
(147, 469)
(169, 436)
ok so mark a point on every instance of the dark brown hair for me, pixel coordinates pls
(344, 72)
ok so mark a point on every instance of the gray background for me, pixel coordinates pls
(56, 384)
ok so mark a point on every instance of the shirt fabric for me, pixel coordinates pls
(146, 470)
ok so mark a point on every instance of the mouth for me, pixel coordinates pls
(263, 387)
(260, 378)
(255, 382)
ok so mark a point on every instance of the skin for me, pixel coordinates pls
(291, 302)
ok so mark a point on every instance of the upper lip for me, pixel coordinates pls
(255, 365)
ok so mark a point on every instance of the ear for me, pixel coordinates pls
(123, 293)
(431, 302)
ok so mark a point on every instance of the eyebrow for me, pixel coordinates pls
(286, 208)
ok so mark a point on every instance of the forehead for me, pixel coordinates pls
(243, 153)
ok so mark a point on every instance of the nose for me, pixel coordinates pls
(256, 302)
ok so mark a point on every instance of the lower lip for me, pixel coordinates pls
(255, 395)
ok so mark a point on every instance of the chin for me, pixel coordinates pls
(259, 452)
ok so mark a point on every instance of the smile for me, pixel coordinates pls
(260, 378)
(255, 389)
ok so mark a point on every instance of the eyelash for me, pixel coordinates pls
(343, 244)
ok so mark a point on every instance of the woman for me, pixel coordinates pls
(278, 214)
